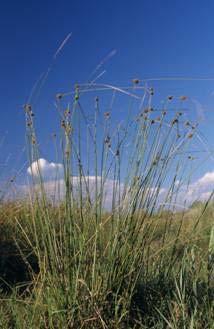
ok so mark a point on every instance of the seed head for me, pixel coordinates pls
(63, 124)
(136, 81)
(107, 140)
(183, 98)
(59, 96)
(27, 108)
(67, 113)
(107, 115)
(174, 121)
(69, 128)
(151, 91)
(76, 97)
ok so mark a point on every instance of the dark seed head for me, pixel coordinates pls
(136, 81)
(107, 115)
(59, 96)
(27, 108)
(174, 121)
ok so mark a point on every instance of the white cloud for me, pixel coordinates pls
(55, 189)
(207, 179)
(54, 185)
(199, 190)
(202, 188)
(47, 170)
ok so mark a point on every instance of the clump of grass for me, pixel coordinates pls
(107, 250)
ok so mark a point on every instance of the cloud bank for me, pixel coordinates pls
(202, 188)
(45, 170)
(54, 185)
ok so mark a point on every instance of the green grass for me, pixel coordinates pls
(134, 264)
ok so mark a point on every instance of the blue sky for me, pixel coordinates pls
(152, 39)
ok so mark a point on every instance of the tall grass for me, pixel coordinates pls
(109, 252)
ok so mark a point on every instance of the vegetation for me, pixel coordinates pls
(111, 249)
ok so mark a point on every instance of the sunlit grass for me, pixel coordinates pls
(112, 250)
